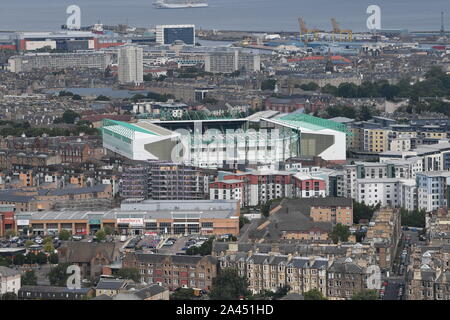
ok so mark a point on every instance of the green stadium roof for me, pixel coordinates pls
(313, 123)
(109, 122)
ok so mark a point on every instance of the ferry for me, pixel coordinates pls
(165, 4)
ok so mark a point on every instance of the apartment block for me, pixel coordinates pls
(174, 271)
(433, 190)
(164, 181)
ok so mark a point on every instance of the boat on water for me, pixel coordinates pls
(173, 4)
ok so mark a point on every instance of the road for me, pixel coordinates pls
(392, 289)
(246, 229)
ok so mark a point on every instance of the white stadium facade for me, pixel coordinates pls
(294, 135)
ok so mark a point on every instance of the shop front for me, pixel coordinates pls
(131, 226)
(94, 226)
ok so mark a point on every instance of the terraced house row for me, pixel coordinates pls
(336, 279)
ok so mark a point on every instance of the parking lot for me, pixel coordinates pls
(173, 245)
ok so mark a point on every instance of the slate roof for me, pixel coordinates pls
(110, 284)
(83, 252)
(8, 272)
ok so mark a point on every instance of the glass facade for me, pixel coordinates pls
(184, 34)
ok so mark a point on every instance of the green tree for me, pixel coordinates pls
(41, 258)
(366, 295)
(102, 98)
(129, 274)
(28, 278)
(108, 230)
(281, 292)
(77, 97)
(69, 116)
(58, 275)
(5, 261)
(183, 294)
(9, 296)
(340, 233)
(205, 249)
(47, 240)
(10, 233)
(242, 221)
(268, 84)
(229, 285)
(314, 294)
(363, 211)
(312, 86)
(101, 235)
(18, 259)
(48, 247)
(30, 258)
(53, 258)
(64, 235)
(28, 243)
(414, 218)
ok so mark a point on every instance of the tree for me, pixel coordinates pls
(314, 294)
(312, 86)
(281, 292)
(414, 218)
(53, 258)
(101, 235)
(229, 285)
(64, 235)
(366, 295)
(69, 116)
(268, 84)
(77, 97)
(47, 240)
(19, 259)
(28, 243)
(340, 233)
(243, 220)
(363, 211)
(9, 296)
(29, 278)
(183, 294)
(41, 258)
(5, 261)
(129, 274)
(10, 233)
(108, 230)
(102, 98)
(204, 250)
(30, 258)
(58, 275)
(48, 247)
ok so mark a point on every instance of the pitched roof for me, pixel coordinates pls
(8, 272)
(85, 251)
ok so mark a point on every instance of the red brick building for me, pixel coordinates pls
(7, 222)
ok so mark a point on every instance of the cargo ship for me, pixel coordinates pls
(165, 4)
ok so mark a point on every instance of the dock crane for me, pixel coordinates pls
(337, 30)
(305, 32)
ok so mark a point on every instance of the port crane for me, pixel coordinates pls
(337, 30)
(305, 32)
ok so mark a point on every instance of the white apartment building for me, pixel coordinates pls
(9, 280)
(385, 191)
(433, 190)
(230, 61)
(408, 194)
(131, 65)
